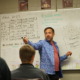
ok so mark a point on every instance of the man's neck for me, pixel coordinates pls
(51, 41)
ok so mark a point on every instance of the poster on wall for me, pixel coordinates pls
(67, 3)
(45, 4)
(23, 5)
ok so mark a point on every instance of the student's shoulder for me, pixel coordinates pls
(2, 61)
(39, 70)
(15, 71)
(43, 74)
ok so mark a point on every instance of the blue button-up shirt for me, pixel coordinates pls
(47, 56)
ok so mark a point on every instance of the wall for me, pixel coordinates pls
(9, 6)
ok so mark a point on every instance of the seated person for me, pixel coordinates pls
(4, 70)
(26, 69)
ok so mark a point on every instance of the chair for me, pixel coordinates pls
(28, 79)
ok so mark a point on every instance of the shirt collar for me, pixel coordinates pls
(28, 64)
(50, 43)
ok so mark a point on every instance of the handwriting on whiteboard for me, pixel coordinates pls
(14, 27)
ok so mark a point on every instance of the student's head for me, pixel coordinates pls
(49, 33)
(27, 54)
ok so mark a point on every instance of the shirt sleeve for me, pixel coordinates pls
(37, 45)
(62, 58)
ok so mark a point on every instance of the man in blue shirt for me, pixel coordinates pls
(50, 60)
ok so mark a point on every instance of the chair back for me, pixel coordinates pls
(28, 79)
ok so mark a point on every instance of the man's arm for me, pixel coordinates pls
(62, 58)
(37, 45)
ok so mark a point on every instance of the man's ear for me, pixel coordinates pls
(33, 57)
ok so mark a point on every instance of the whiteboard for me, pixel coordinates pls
(0, 37)
(31, 24)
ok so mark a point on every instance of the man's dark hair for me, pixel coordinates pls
(26, 53)
(5, 73)
(49, 28)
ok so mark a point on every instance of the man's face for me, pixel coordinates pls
(49, 35)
